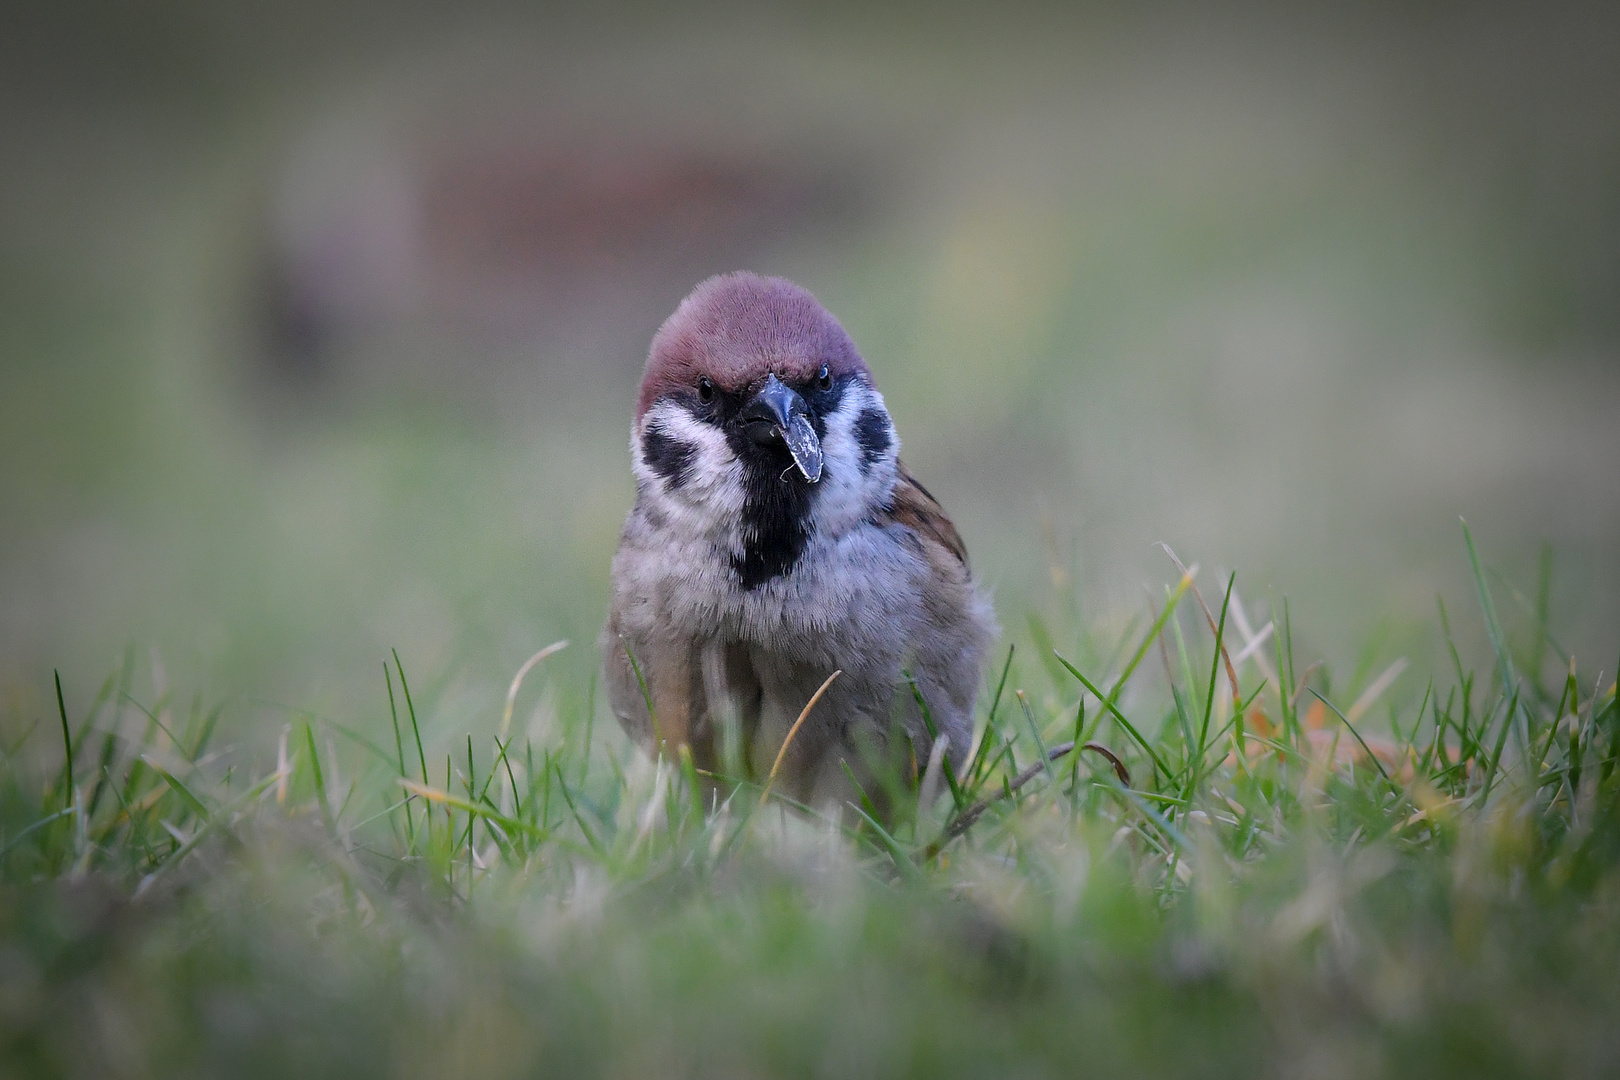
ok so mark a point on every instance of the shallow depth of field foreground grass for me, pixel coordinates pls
(1299, 878)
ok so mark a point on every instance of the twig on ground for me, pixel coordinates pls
(966, 819)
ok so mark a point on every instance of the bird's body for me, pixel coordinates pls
(775, 539)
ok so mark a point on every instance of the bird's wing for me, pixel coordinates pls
(919, 511)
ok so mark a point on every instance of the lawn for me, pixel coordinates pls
(1253, 867)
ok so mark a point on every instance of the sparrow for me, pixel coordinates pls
(776, 538)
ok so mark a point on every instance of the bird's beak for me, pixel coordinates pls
(779, 413)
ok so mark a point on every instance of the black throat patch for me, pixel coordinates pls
(778, 499)
(776, 512)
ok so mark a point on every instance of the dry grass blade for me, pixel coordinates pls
(1120, 770)
(1253, 641)
(1231, 669)
(792, 731)
(1369, 697)
(517, 682)
(445, 798)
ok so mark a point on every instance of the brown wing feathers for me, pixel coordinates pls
(915, 508)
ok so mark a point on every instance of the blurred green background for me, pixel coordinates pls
(320, 323)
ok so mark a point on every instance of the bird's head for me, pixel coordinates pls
(753, 396)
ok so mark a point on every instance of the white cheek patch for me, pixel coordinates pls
(854, 484)
(686, 466)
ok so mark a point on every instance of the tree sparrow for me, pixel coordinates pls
(776, 538)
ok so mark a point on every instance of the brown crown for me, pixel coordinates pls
(736, 329)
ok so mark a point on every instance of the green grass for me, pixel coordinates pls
(1298, 879)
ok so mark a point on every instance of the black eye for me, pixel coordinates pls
(705, 389)
(824, 379)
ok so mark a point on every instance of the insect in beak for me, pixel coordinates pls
(778, 413)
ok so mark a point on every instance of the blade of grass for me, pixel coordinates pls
(410, 708)
(1285, 674)
(1538, 647)
(1034, 729)
(1493, 629)
(399, 750)
(1496, 752)
(646, 695)
(977, 770)
(1134, 798)
(67, 744)
(1126, 724)
(1119, 684)
(897, 853)
(1197, 764)
(355, 737)
(191, 802)
(1220, 644)
(689, 779)
(1001, 685)
(868, 810)
(319, 777)
(1079, 735)
(153, 719)
(590, 727)
(1044, 647)
(933, 733)
(207, 732)
(1147, 642)
(568, 797)
(209, 823)
(1335, 709)
(109, 749)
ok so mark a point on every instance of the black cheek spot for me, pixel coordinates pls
(669, 457)
(872, 432)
